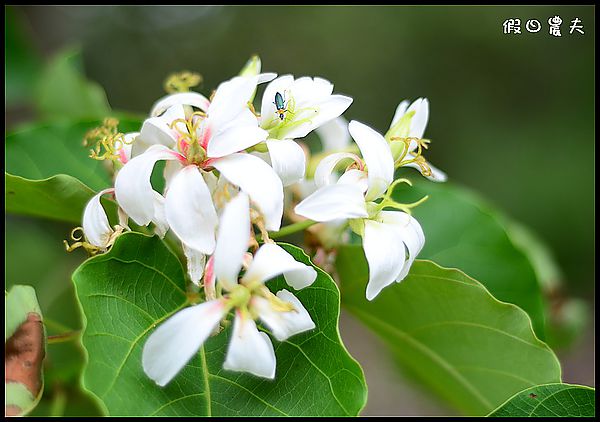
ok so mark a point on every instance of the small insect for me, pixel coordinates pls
(280, 104)
(532, 395)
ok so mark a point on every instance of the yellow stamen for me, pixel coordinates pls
(182, 81)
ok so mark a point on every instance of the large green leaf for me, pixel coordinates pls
(553, 400)
(451, 333)
(462, 231)
(49, 172)
(127, 292)
(63, 91)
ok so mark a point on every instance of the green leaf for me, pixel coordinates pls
(64, 92)
(462, 231)
(450, 332)
(553, 400)
(49, 172)
(60, 197)
(24, 350)
(128, 291)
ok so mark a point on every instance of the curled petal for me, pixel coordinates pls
(288, 160)
(272, 260)
(193, 99)
(283, 324)
(377, 155)
(259, 181)
(232, 241)
(333, 202)
(174, 342)
(385, 255)
(323, 172)
(96, 227)
(250, 350)
(190, 211)
(411, 233)
(133, 189)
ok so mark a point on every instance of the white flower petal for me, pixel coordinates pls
(170, 171)
(333, 202)
(157, 130)
(283, 324)
(159, 219)
(181, 98)
(327, 166)
(400, 111)
(288, 160)
(334, 134)
(266, 77)
(355, 177)
(174, 342)
(326, 110)
(410, 232)
(230, 99)
(250, 350)
(419, 121)
(235, 139)
(268, 114)
(126, 148)
(272, 260)
(190, 210)
(307, 90)
(232, 241)
(259, 181)
(377, 155)
(133, 189)
(96, 227)
(195, 263)
(385, 254)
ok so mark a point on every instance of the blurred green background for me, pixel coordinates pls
(512, 116)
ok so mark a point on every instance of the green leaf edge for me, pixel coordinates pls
(337, 325)
(494, 300)
(101, 404)
(585, 387)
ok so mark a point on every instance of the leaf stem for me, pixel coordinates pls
(64, 337)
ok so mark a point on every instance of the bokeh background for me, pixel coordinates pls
(512, 117)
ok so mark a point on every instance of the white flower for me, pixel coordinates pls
(193, 146)
(97, 234)
(410, 122)
(291, 108)
(173, 344)
(387, 235)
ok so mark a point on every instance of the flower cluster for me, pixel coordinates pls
(227, 167)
